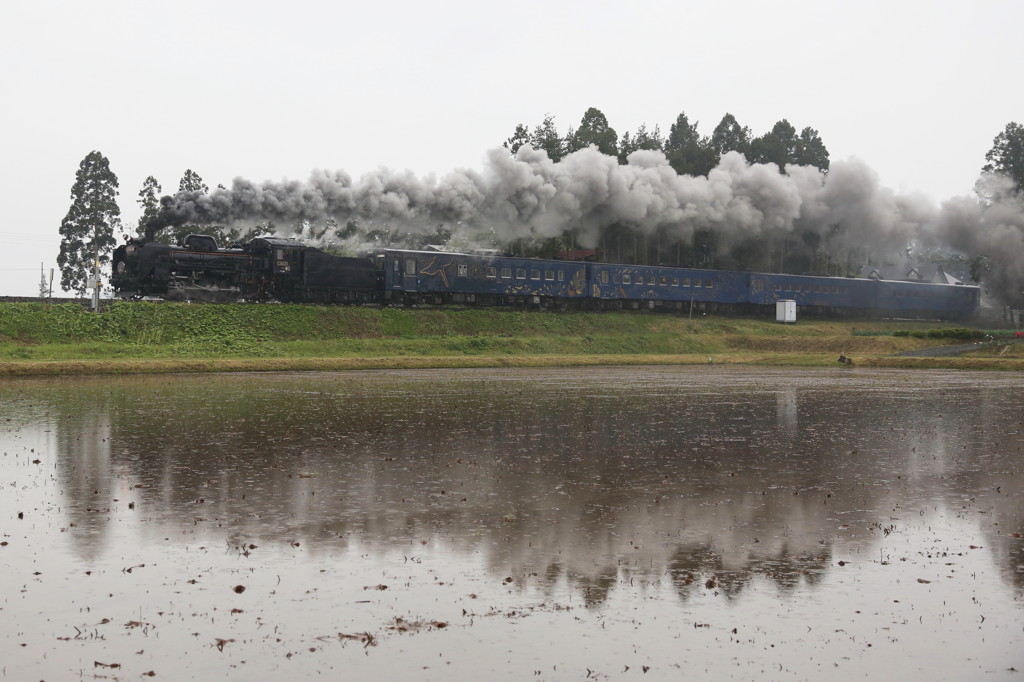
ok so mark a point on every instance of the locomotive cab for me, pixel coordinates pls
(280, 266)
(282, 256)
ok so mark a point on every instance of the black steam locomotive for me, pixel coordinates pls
(286, 270)
(264, 269)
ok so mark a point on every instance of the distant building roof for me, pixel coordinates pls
(933, 274)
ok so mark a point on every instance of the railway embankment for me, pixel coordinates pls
(67, 339)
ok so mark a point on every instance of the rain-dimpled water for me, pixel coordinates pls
(572, 524)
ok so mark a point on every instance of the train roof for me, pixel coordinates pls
(492, 254)
(278, 241)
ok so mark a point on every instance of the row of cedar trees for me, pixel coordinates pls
(688, 153)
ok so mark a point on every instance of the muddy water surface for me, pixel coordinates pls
(603, 523)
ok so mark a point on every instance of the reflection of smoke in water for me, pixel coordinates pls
(589, 194)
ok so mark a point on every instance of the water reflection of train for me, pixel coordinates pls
(270, 268)
(746, 480)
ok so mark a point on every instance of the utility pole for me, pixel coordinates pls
(96, 270)
(96, 285)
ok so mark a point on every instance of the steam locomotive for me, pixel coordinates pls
(286, 270)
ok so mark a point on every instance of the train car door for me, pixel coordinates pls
(409, 281)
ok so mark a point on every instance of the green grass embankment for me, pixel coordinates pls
(37, 338)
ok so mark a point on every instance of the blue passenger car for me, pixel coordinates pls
(917, 299)
(817, 295)
(448, 277)
(647, 286)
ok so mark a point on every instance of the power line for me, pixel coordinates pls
(27, 239)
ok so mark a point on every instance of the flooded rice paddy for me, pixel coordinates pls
(648, 524)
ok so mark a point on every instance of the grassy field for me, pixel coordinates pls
(36, 338)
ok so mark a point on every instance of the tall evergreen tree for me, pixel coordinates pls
(778, 147)
(730, 136)
(149, 201)
(1006, 157)
(87, 231)
(810, 150)
(545, 137)
(644, 139)
(649, 139)
(191, 182)
(687, 152)
(520, 138)
(594, 130)
(626, 146)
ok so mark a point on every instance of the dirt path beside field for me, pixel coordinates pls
(954, 351)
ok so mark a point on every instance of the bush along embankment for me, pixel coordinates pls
(958, 333)
(40, 331)
(178, 332)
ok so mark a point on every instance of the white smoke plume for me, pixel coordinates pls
(528, 196)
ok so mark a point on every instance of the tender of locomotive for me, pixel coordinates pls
(277, 269)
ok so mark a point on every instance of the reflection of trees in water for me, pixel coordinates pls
(987, 477)
(594, 588)
(88, 478)
(1010, 558)
(731, 480)
(702, 568)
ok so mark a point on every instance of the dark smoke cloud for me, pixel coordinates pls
(994, 230)
(528, 196)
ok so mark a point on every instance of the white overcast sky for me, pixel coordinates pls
(272, 90)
